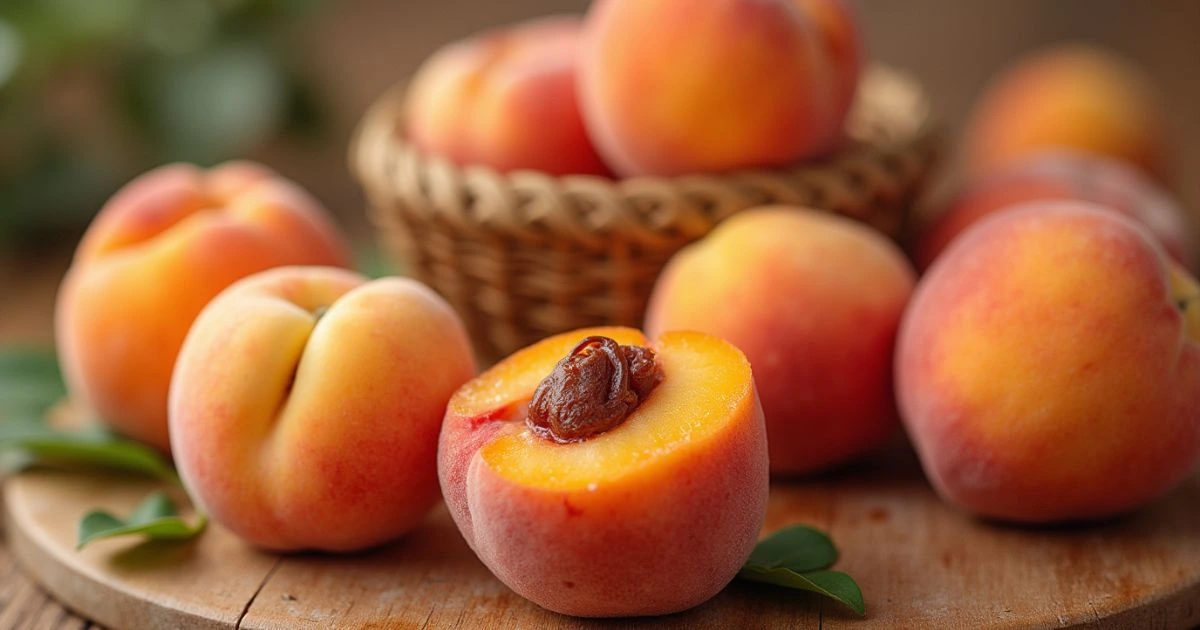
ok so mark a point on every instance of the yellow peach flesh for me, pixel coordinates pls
(511, 382)
(697, 396)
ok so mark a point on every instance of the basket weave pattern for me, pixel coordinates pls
(524, 255)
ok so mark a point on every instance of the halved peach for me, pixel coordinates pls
(652, 516)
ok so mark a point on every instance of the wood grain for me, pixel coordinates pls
(192, 585)
(920, 565)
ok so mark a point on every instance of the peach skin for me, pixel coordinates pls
(306, 406)
(676, 86)
(505, 99)
(579, 467)
(1069, 97)
(156, 253)
(1064, 175)
(837, 22)
(1048, 368)
(814, 300)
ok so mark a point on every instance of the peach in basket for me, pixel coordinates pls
(677, 86)
(505, 98)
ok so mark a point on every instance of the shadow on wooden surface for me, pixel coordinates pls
(920, 564)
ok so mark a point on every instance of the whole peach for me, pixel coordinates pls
(157, 252)
(306, 406)
(676, 86)
(1071, 97)
(1064, 175)
(814, 300)
(505, 99)
(1048, 368)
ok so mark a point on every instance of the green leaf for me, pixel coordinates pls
(30, 382)
(155, 518)
(796, 557)
(832, 584)
(88, 450)
(799, 548)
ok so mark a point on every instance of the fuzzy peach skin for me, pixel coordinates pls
(505, 99)
(1073, 97)
(306, 406)
(1048, 368)
(814, 300)
(1064, 175)
(676, 86)
(157, 252)
(837, 23)
(590, 528)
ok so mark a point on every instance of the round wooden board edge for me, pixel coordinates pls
(81, 590)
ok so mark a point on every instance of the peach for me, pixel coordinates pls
(1072, 97)
(306, 406)
(157, 252)
(676, 86)
(505, 99)
(837, 23)
(1064, 175)
(814, 300)
(1048, 367)
(584, 522)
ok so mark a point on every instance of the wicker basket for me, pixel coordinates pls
(524, 255)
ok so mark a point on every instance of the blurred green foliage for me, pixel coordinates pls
(93, 92)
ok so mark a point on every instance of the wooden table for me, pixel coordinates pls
(27, 287)
(1089, 577)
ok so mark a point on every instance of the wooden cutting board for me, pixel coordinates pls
(920, 565)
